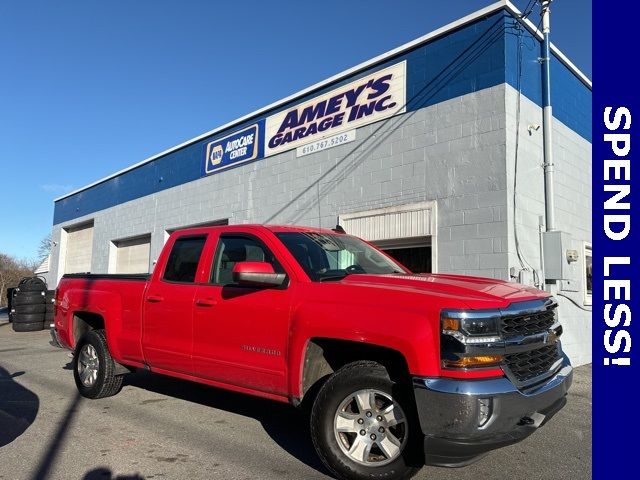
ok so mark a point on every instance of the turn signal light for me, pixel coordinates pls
(476, 361)
(450, 324)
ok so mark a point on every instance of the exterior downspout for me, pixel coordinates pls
(547, 120)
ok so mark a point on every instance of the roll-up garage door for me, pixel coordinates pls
(132, 256)
(79, 249)
(405, 232)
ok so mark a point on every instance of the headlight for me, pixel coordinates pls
(472, 326)
(465, 333)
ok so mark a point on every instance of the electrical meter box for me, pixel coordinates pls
(560, 259)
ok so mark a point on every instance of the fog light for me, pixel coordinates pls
(475, 361)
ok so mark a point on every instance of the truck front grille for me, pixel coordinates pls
(533, 363)
(527, 324)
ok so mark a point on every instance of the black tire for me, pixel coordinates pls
(348, 380)
(28, 298)
(27, 327)
(32, 308)
(106, 383)
(32, 284)
(49, 308)
(50, 294)
(28, 317)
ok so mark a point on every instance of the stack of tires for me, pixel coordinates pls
(29, 305)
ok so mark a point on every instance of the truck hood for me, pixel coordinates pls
(476, 292)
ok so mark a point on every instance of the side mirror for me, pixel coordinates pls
(257, 274)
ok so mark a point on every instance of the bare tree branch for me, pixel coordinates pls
(44, 249)
(11, 272)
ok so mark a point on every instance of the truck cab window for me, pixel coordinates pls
(183, 259)
(234, 249)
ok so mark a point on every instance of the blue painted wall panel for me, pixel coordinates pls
(570, 98)
(477, 56)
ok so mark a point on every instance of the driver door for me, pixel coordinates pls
(240, 332)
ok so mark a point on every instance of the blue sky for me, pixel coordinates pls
(88, 87)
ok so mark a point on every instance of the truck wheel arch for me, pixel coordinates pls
(323, 356)
(83, 322)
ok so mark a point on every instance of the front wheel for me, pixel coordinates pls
(363, 425)
(93, 367)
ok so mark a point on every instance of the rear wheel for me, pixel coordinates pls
(363, 425)
(94, 368)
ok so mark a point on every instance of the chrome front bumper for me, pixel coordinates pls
(464, 419)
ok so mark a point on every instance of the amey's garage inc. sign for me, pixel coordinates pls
(369, 99)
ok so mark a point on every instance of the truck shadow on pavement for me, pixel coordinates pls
(18, 407)
(287, 426)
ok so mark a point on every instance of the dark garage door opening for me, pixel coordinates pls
(416, 259)
(414, 253)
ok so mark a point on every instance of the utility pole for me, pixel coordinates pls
(547, 118)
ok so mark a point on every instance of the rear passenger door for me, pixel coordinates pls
(241, 332)
(168, 307)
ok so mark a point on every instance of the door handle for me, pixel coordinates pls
(205, 302)
(154, 298)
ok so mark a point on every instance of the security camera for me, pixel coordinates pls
(533, 127)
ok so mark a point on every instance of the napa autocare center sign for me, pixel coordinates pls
(616, 241)
(369, 99)
(232, 150)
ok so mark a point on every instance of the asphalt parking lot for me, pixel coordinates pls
(159, 427)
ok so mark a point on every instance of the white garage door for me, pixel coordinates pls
(403, 221)
(132, 256)
(79, 249)
(406, 232)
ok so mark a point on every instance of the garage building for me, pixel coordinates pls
(433, 151)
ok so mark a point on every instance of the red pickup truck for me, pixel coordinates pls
(399, 369)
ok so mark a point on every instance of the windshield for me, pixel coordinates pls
(332, 257)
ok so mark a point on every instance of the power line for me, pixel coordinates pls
(528, 9)
(574, 302)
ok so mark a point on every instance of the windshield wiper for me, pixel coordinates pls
(333, 277)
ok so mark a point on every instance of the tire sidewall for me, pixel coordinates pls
(28, 298)
(323, 412)
(28, 317)
(27, 327)
(33, 284)
(91, 338)
(33, 308)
